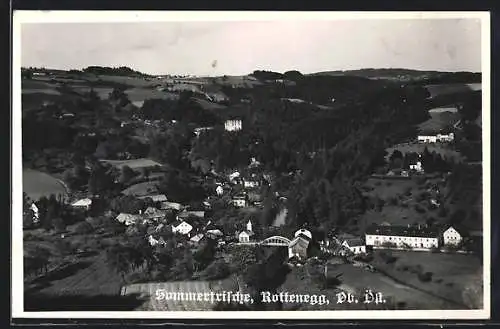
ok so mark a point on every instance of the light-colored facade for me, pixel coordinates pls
(402, 237)
(436, 138)
(233, 125)
(451, 237)
(82, 204)
(244, 237)
(182, 228)
(355, 247)
(239, 202)
(417, 166)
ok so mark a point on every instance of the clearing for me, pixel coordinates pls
(452, 88)
(444, 150)
(452, 273)
(141, 189)
(439, 121)
(133, 164)
(37, 184)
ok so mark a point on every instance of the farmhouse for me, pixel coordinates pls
(181, 227)
(214, 234)
(451, 236)
(190, 213)
(197, 238)
(82, 204)
(250, 183)
(219, 190)
(304, 232)
(416, 237)
(356, 245)
(233, 125)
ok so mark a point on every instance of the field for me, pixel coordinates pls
(130, 81)
(133, 164)
(443, 89)
(439, 121)
(442, 149)
(452, 274)
(37, 184)
(443, 110)
(148, 291)
(141, 189)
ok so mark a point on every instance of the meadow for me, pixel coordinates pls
(444, 89)
(37, 184)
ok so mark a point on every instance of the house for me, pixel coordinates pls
(217, 97)
(233, 125)
(219, 190)
(298, 247)
(170, 206)
(155, 198)
(416, 237)
(36, 213)
(197, 238)
(154, 214)
(127, 219)
(154, 242)
(356, 245)
(82, 204)
(239, 201)
(214, 234)
(250, 183)
(181, 227)
(254, 163)
(417, 166)
(451, 236)
(198, 131)
(428, 138)
(234, 175)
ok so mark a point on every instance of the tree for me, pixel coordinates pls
(126, 174)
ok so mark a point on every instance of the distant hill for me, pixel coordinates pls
(407, 75)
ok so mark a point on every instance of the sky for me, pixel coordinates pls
(240, 47)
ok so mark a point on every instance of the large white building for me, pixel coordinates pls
(356, 246)
(182, 227)
(436, 138)
(416, 237)
(233, 125)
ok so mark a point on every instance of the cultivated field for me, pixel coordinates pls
(148, 291)
(443, 89)
(37, 184)
(130, 81)
(141, 189)
(439, 121)
(133, 164)
(141, 94)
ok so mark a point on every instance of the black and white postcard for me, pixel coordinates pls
(251, 165)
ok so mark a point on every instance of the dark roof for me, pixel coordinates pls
(414, 231)
(355, 242)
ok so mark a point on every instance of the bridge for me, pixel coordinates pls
(273, 241)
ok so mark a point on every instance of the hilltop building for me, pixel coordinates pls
(233, 125)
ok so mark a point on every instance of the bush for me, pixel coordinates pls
(425, 277)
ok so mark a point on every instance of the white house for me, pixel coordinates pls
(219, 190)
(154, 214)
(82, 204)
(127, 219)
(154, 242)
(451, 236)
(356, 246)
(250, 183)
(298, 247)
(197, 238)
(233, 125)
(214, 234)
(427, 139)
(36, 213)
(401, 237)
(198, 131)
(239, 201)
(234, 175)
(182, 227)
(446, 137)
(417, 166)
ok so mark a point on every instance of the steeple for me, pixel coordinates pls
(249, 226)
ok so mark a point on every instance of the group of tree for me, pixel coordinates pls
(122, 71)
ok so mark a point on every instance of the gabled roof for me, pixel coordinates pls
(299, 241)
(82, 203)
(355, 242)
(409, 231)
(155, 198)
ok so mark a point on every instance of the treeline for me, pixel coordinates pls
(122, 71)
